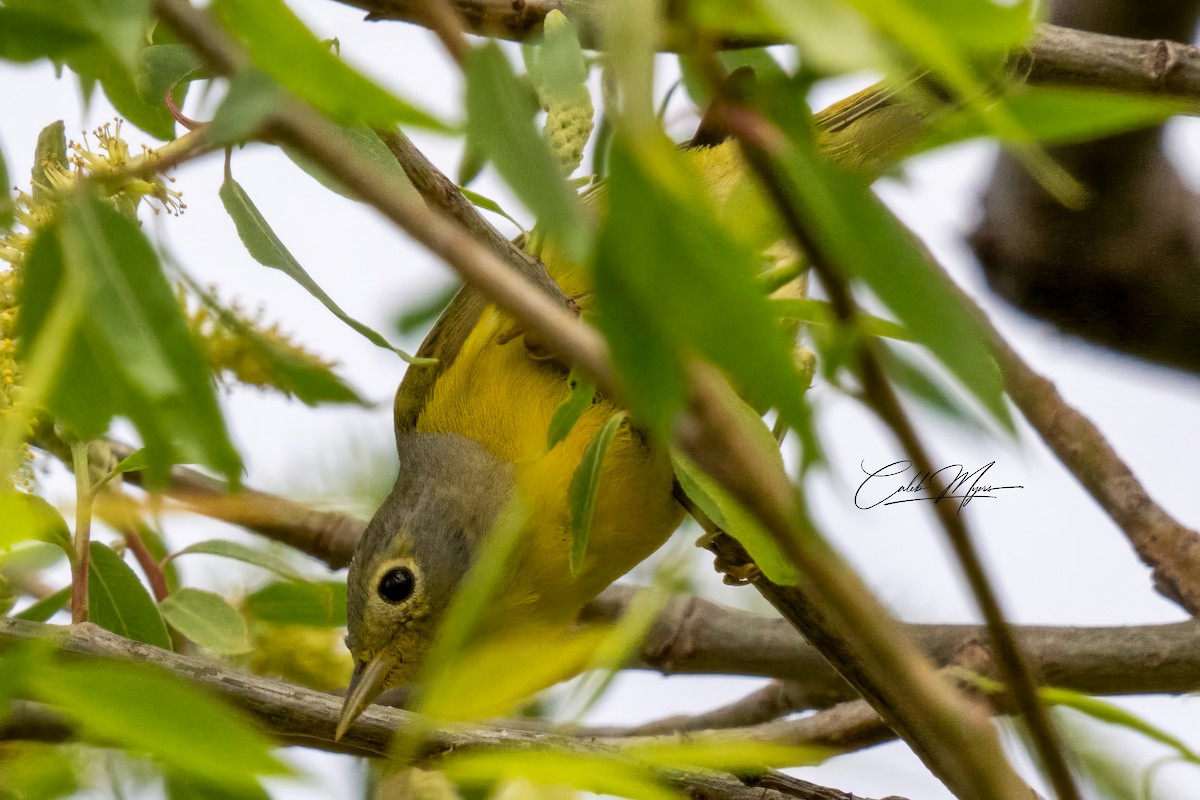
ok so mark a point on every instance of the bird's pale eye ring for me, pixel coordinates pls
(397, 585)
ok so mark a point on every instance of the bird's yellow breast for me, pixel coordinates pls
(496, 394)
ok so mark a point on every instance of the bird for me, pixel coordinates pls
(471, 432)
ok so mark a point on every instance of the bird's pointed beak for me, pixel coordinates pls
(365, 685)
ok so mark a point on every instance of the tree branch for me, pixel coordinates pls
(300, 716)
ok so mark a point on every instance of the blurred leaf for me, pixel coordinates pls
(207, 619)
(7, 204)
(148, 709)
(251, 98)
(34, 556)
(266, 248)
(909, 375)
(488, 204)
(579, 399)
(27, 517)
(121, 25)
(47, 607)
(39, 771)
(470, 166)
(136, 461)
(300, 603)
(863, 239)
(723, 509)
(119, 602)
(1115, 715)
(585, 484)
(670, 280)
(185, 786)
(49, 155)
(257, 556)
(97, 64)
(831, 35)
(593, 773)
(162, 67)
(1056, 115)
(426, 311)
(284, 48)
(134, 315)
(727, 754)
(30, 33)
(491, 678)
(366, 144)
(819, 312)
(500, 124)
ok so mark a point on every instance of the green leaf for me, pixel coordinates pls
(426, 311)
(119, 602)
(579, 399)
(43, 772)
(251, 98)
(147, 709)
(162, 67)
(285, 49)
(259, 557)
(493, 677)
(727, 753)
(500, 125)
(671, 280)
(135, 324)
(585, 484)
(1056, 115)
(136, 461)
(47, 607)
(915, 379)
(121, 25)
(366, 144)
(26, 517)
(488, 204)
(1115, 715)
(602, 774)
(266, 248)
(819, 312)
(27, 34)
(207, 619)
(49, 155)
(863, 239)
(182, 786)
(321, 605)
(725, 510)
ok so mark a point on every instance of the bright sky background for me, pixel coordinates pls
(1055, 556)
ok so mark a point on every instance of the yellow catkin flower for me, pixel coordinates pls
(102, 166)
(312, 657)
(238, 346)
(563, 92)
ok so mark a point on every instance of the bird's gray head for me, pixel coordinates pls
(413, 555)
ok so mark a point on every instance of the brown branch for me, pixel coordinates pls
(326, 535)
(694, 636)
(300, 716)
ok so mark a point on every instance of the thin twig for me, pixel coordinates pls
(80, 559)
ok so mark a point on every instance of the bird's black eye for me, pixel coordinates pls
(397, 585)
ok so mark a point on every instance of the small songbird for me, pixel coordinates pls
(471, 432)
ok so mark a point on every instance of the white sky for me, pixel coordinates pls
(1055, 556)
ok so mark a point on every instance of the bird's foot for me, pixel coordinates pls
(736, 568)
(536, 346)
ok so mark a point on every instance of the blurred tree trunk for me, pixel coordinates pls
(1123, 272)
